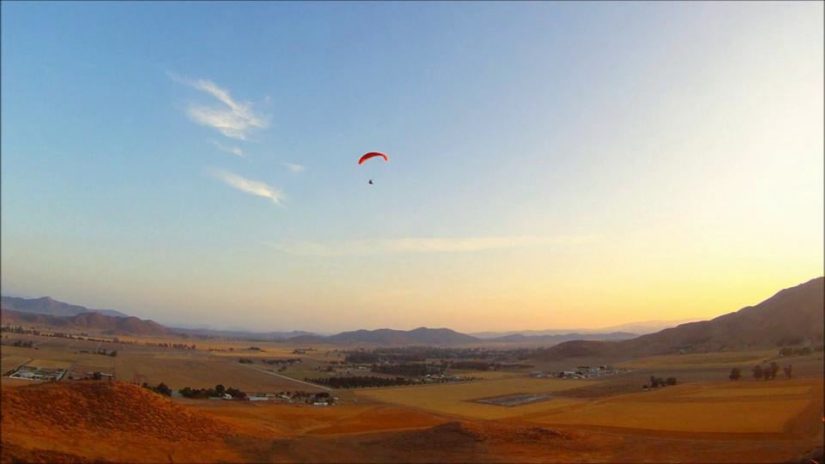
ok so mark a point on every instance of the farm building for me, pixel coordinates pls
(37, 373)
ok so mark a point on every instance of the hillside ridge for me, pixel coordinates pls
(791, 315)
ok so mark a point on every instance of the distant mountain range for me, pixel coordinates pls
(63, 315)
(561, 337)
(87, 322)
(632, 328)
(243, 334)
(791, 316)
(47, 312)
(391, 337)
(446, 337)
(51, 307)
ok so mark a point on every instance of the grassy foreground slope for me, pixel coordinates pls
(116, 422)
(77, 421)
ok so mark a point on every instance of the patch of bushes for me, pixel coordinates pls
(161, 388)
(656, 382)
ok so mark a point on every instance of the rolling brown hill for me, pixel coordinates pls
(105, 421)
(792, 316)
(89, 421)
(90, 322)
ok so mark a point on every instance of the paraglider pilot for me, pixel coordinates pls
(372, 154)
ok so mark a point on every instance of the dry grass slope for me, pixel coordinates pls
(104, 421)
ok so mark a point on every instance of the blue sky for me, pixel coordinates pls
(544, 157)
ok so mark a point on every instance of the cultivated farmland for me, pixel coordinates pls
(460, 399)
(740, 407)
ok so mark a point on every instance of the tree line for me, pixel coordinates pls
(763, 372)
(409, 369)
(361, 381)
(198, 393)
(218, 391)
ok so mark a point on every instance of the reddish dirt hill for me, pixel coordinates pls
(117, 422)
(76, 421)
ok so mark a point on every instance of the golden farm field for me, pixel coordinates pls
(199, 370)
(743, 407)
(726, 359)
(264, 353)
(734, 390)
(486, 375)
(457, 398)
(297, 419)
(49, 364)
(11, 361)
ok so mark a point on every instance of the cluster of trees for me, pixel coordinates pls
(245, 361)
(475, 365)
(70, 336)
(67, 335)
(288, 361)
(323, 397)
(18, 330)
(104, 352)
(306, 397)
(97, 375)
(769, 372)
(760, 372)
(176, 346)
(101, 351)
(409, 369)
(218, 391)
(409, 354)
(362, 381)
(283, 363)
(196, 393)
(161, 388)
(799, 351)
(656, 382)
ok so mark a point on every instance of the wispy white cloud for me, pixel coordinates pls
(418, 245)
(252, 187)
(296, 168)
(237, 151)
(232, 118)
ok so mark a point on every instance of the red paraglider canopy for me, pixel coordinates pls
(373, 154)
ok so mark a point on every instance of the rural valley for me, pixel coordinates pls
(390, 232)
(203, 398)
